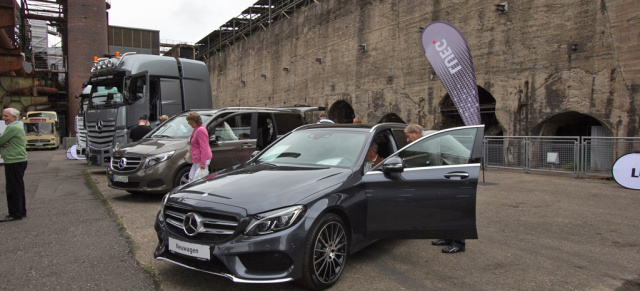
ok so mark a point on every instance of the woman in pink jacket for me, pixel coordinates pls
(200, 150)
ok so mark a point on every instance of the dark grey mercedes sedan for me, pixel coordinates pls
(299, 208)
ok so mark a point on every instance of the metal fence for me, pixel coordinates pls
(568, 154)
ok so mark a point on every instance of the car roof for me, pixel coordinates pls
(354, 126)
(242, 109)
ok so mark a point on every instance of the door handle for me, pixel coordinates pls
(459, 175)
(246, 145)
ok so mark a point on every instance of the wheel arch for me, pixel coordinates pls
(331, 205)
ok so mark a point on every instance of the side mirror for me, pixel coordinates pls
(254, 154)
(213, 139)
(393, 165)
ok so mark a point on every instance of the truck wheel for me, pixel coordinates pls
(182, 177)
(327, 247)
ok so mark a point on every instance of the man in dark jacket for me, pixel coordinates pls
(139, 131)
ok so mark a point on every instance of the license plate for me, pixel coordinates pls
(123, 179)
(189, 249)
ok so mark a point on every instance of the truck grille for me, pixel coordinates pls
(216, 227)
(101, 138)
(125, 164)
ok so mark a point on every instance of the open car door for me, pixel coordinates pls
(428, 188)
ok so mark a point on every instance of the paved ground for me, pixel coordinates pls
(537, 232)
(68, 240)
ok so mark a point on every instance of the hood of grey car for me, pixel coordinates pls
(150, 146)
(263, 187)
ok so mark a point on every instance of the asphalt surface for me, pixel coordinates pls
(69, 240)
(537, 232)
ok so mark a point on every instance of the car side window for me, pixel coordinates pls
(400, 137)
(234, 127)
(286, 122)
(441, 149)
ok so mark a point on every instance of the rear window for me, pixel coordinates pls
(286, 122)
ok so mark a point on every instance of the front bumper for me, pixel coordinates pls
(273, 258)
(99, 157)
(152, 180)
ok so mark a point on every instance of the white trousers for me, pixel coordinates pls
(195, 167)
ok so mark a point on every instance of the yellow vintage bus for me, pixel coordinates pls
(41, 131)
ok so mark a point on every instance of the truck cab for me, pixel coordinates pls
(124, 88)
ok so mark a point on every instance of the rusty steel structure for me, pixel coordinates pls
(257, 17)
(24, 85)
(46, 77)
(27, 81)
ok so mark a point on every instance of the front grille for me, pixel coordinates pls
(125, 164)
(266, 262)
(217, 227)
(37, 140)
(102, 138)
(215, 265)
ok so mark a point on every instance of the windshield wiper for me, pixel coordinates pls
(161, 135)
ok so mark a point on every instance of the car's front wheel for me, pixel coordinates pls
(182, 177)
(327, 247)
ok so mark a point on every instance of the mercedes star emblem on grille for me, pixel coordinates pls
(99, 125)
(122, 163)
(191, 224)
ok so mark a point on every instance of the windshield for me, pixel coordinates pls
(177, 127)
(42, 114)
(317, 147)
(38, 128)
(106, 93)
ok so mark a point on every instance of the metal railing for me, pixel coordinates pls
(598, 154)
(582, 156)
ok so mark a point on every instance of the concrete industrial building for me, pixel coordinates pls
(543, 67)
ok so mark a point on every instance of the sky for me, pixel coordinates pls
(177, 20)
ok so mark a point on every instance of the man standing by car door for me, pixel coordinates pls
(14, 152)
(414, 132)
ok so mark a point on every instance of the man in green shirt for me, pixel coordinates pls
(13, 148)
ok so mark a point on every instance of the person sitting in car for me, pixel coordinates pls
(372, 159)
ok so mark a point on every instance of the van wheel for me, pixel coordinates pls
(182, 177)
(325, 258)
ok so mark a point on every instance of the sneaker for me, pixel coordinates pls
(453, 248)
(441, 242)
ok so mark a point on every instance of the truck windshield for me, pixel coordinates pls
(38, 128)
(107, 94)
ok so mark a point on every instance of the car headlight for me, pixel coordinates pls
(275, 220)
(159, 158)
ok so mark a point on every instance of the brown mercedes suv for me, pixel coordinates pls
(155, 165)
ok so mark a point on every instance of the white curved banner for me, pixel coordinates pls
(626, 171)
